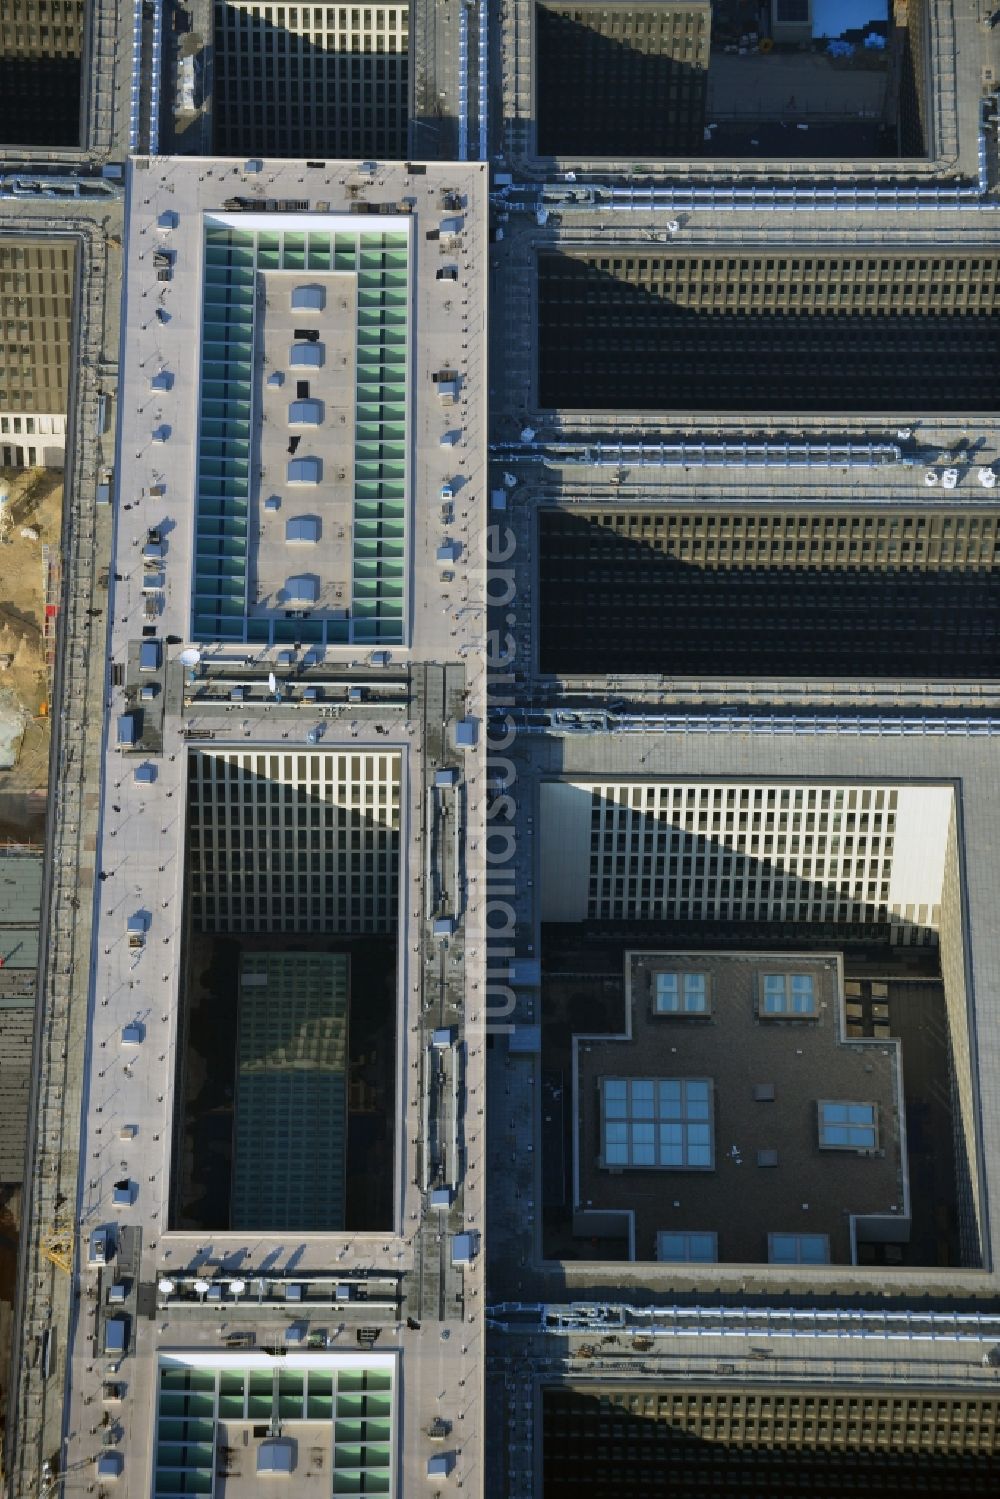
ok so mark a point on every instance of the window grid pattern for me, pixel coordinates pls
(381, 264)
(657, 1122)
(36, 320)
(41, 43)
(621, 81)
(291, 1066)
(798, 1249)
(681, 994)
(311, 80)
(680, 592)
(824, 331)
(785, 994)
(689, 1247)
(619, 1438)
(293, 842)
(847, 1126)
(742, 853)
(357, 1402)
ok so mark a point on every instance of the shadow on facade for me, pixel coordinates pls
(650, 611)
(583, 992)
(765, 1443)
(203, 1123)
(40, 101)
(280, 94)
(599, 97)
(606, 343)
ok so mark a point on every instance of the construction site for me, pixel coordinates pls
(30, 521)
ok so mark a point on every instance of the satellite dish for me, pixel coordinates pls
(237, 1287)
(202, 1287)
(190, 657)
(272, 682)
(166, 1287)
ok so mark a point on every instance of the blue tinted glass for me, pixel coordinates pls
(671, 1247)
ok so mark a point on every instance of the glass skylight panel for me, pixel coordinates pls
(681, 993)
(788, 994)
(798, 1249)
(848, 1126)
(681, 1248)
(664, 1122)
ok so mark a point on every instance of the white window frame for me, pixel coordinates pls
(862, 1134)
(797, 1240)
(788, 993)
(657, 1123)
(688, 1236)
(687, 987)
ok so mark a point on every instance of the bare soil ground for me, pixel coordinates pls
(34, 505)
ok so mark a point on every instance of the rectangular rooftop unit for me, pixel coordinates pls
(127, 730)
(310, 298)
(302, 528)
(115, 1335)
(302, 589)
(464, 1248)
(465, 733)
(446, 777)
(306, 356)
(149, 655)
(444, 926)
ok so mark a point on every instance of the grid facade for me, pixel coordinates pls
(36, 335)
(311, 80)
(617, 80)
(41, 43)
(824, 331)
(293, 842)
(380, 262)
(290, 1127)
(890, 593)
(647, 1441)
(740, 853)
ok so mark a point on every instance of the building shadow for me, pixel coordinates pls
(765, 1442)
(649, 610)
(316, 873)
(601, 97)
(699, 891)
(40, 101)
(608, 342)
(281, 94)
